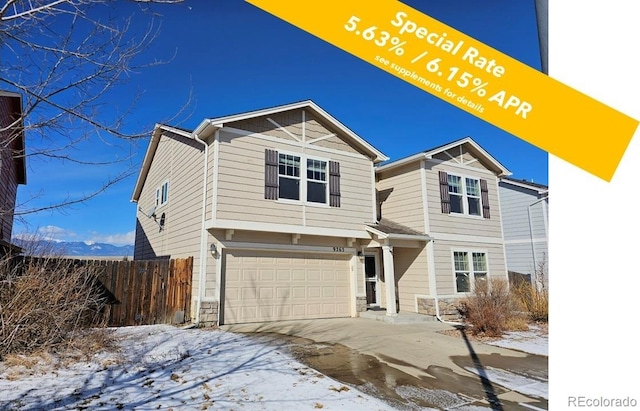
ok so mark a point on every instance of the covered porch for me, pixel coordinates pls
(395, 268)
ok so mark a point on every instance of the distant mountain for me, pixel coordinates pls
(74, 249)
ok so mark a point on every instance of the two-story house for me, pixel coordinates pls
(525, 210)
(288, 217)
(13, 169)
(451, 193)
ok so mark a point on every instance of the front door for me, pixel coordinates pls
(371, 280)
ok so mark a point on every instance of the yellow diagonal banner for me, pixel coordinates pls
(470, 75)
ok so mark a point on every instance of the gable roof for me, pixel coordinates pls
(480, 152)
(309, 105)
(538, 188)
(219, 122)
(15, 101)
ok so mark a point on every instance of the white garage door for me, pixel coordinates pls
(271, 286)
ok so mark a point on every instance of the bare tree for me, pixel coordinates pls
(66, 58)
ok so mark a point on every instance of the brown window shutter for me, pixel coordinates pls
(484, 195)
(444, 192)
(270, 174)
(334, 184)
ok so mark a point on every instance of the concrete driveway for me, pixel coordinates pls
(413, 366)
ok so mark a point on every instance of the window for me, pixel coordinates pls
(467, 274)
(455, 193)
(289, 177)
(162, 194)
(473, 196)
(464, 195)
(284, 179)
(465, 199)
(317, 181)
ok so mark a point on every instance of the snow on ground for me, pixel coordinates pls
(163, 367)
(534, 341)
(514, 382)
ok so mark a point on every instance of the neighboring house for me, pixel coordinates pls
(526, 227)
(288, 216)
(12, 164)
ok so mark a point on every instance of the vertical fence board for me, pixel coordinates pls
(142, 292)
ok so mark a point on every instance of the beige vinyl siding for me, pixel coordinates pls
(460, 224)
(404, 203)
(292, 122)
(177, 160)
(356, 195)
(443, 258)
(288, 120)
(411, 276)
(241, 183)
(461, 155)
(241, 187)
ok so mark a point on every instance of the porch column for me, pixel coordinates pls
(389, 279)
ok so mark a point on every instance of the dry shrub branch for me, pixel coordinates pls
(47, 304)
(490, 310)
(534, 297)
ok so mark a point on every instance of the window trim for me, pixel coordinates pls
(299, 178)
(162, 191)
(304, 180)
(465, 196)
(472, 272)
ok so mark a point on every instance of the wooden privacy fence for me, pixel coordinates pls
(147, 292)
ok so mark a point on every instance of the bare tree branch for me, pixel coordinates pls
(66, 58)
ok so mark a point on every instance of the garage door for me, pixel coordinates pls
(270, 286)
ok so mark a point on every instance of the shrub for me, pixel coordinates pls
(490, 310)
(534, 297)
(47, 304)
(534, 300)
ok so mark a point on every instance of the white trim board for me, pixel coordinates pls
(471, 239)
(285, 228)
(241, 245)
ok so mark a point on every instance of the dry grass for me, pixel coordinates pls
(49, 305)
(534, 300)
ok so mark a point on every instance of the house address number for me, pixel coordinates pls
(338, 249)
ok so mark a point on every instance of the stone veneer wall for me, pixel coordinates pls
(209, 314)
(361, 304)
(448, 308)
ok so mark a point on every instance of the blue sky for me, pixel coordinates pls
(232, 57)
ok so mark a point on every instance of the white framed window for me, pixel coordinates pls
(464, 195)
(317, 181)
(162, 194)
(470, 267)
(289, 176)
(298, 178)
(311, 187)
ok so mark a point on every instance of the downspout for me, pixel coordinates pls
(431, 271)
(433, 285)
(533, 247)
(203, 230)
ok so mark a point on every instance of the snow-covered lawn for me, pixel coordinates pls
(163, 367)
(534, 341)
